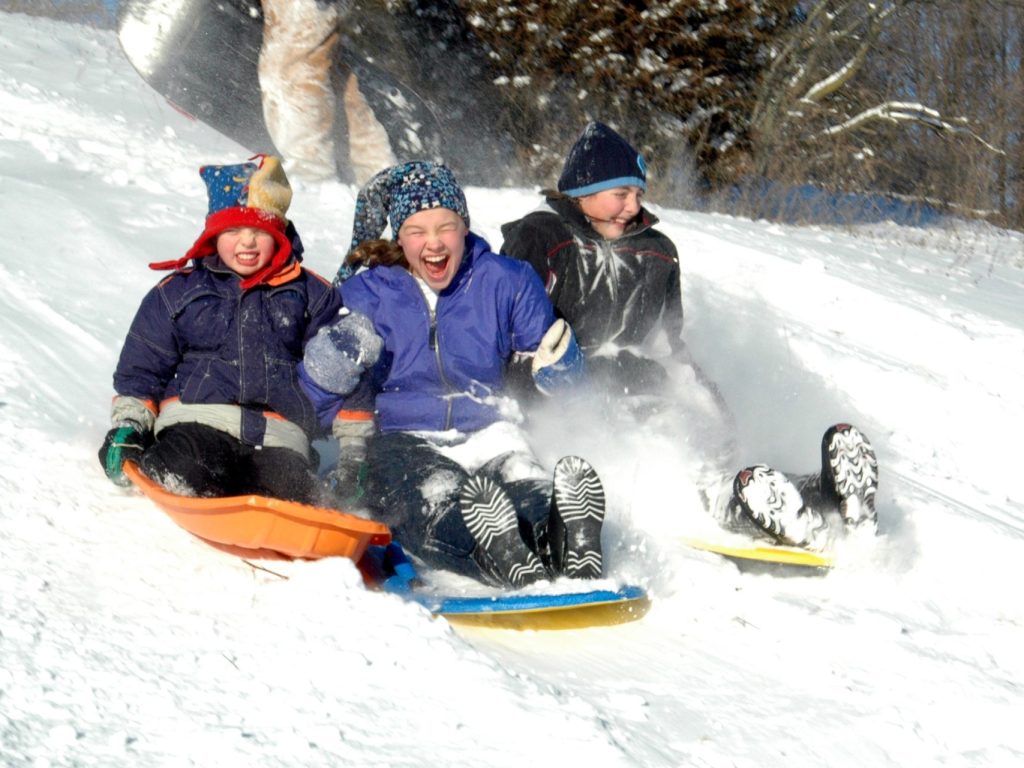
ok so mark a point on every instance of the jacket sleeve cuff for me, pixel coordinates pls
(126, 408)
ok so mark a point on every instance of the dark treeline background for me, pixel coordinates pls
(735, 103)
(917, 100)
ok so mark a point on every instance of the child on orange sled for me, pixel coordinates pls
(208, 401)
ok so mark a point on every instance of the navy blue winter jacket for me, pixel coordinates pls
(445, 374)
(198, 337)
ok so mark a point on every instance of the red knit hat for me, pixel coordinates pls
(244, 195)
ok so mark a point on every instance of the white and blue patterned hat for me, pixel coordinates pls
(396, 193)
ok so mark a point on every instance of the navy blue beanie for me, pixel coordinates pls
(601, 159)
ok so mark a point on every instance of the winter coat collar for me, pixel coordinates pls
(284, 274)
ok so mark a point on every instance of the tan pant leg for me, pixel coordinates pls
(369, 148)
(295, 81)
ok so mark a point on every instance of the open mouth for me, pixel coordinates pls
(248, 258)
(435, 267)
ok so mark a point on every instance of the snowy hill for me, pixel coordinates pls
(125, 642)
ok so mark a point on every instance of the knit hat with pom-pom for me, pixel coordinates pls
(244, 195)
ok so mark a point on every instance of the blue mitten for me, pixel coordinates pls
(338, 355)
(558, 362)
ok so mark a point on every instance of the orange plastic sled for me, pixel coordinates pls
(257, 526)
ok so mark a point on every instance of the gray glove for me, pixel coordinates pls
(339, 353)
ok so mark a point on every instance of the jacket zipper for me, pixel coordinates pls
(435, 346)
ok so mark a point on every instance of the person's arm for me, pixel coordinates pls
(557, 361)
(558, 364)
(151, 351)
(336, 361)
(672, 321)
(148, 360)
(324, 306)
(672, 312)
(536, 239)
(352, 427)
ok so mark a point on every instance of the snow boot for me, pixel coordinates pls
(491, 519)
(849, 474)
(577, 515)
(768, 498)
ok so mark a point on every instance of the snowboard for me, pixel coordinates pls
(751, 556)
(202, 56)
(262, 528)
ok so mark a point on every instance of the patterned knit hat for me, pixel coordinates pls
(244, 195)
(601, 159)
(396, 193)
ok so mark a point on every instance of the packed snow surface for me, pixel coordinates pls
(124, 641)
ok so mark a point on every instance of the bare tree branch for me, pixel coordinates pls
(902, 111)
(846, 72)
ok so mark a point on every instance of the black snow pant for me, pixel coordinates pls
(414, 489)
(198, 460)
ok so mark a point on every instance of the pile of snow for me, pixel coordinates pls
(125, 642)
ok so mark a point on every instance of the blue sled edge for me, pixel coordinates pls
(395, 574)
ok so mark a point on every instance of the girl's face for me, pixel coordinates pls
(610, 210)
(246, 250)
(433, 242)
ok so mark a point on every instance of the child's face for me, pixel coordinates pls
(433, 242)
(246, 250)
(610, 210)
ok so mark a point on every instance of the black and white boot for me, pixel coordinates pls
(577, 515)
(849, 474)
(491, 519)
(770, 500)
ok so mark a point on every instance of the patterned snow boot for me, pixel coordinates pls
(849, 474)
(768, 498)
(577, 515)
(491, 519)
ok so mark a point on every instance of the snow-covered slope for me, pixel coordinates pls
(125, 642)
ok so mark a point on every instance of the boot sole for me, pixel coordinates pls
(577, 517)
(491, 519)
(851, 473)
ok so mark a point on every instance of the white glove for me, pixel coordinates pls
(558, 362)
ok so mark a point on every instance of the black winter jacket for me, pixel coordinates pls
(615, 291)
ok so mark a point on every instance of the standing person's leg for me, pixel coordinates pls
(369, 148)
(295, 65)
